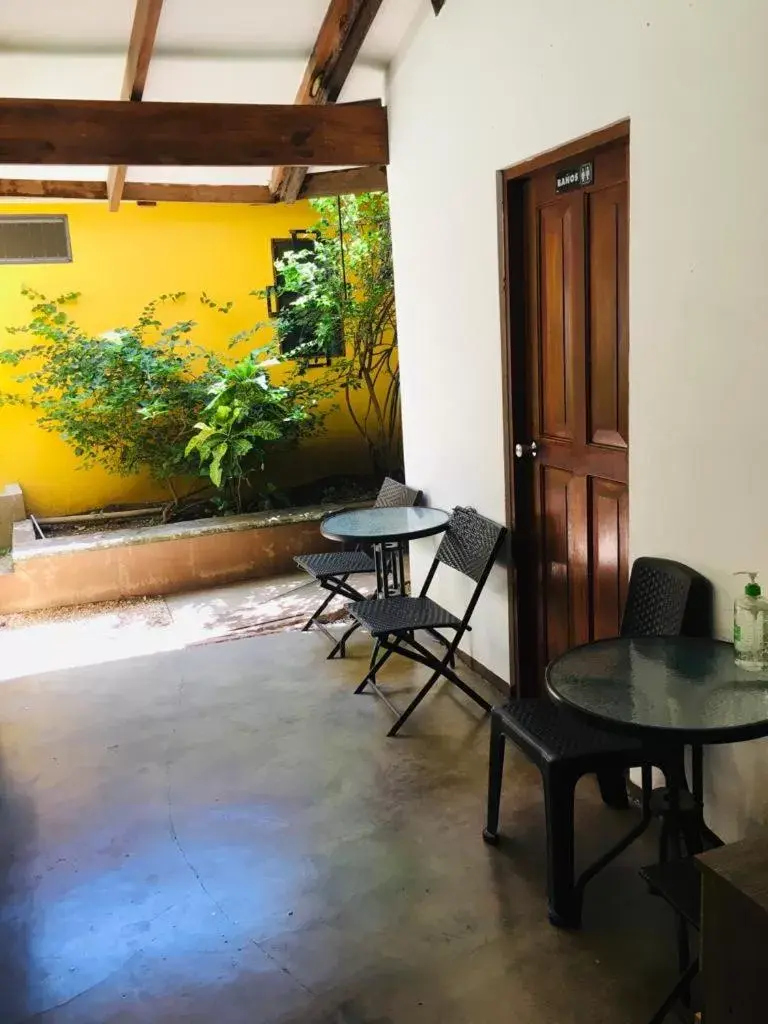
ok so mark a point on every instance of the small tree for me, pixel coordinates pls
(345, 289)
(127, 399)
(249, 419)
(147, 397)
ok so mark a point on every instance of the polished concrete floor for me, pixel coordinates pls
(225, 834)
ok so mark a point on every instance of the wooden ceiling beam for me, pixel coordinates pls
(323, 183)
(142, 191)
(190, 134)
(15, 188)
(352, 180)
(136, 191)
(146, 18)
(342, 33)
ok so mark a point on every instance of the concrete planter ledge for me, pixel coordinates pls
(155, 560)
(27, 545)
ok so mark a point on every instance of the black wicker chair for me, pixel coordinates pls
(469, 545)
(332, 569)
(664, 598)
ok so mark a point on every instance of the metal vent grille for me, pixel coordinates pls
(36, 239)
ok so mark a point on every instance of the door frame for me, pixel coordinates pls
(512, 249)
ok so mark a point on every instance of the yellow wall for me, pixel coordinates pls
(121, 261)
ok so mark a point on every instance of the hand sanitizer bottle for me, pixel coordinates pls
(750, 625)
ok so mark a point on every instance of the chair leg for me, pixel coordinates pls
(683, 956)
(613, 788)
(341, 646)
(564, 901)
(680, 986)
(416, 701)
(495, 776)
(317, 612)
(375, 666)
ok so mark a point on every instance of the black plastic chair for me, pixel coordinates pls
(470, 545)
(664, 598)
(332, 569)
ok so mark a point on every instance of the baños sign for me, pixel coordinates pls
(574, 177)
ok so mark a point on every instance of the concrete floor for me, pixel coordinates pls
(224, 833)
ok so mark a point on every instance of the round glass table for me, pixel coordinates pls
(377, 525)
(669, 693)
(386, 529)
(679, 688)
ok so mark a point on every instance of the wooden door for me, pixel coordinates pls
(572, 495)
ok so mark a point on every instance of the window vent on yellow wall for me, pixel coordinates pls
(34, 239)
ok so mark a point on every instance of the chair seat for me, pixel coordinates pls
(400, 614)
(557, 734)
(335, 563)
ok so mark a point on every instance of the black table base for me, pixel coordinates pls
(681, 812)
(389, 563)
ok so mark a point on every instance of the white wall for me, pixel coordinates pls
(488, 84)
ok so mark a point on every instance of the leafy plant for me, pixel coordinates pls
(345, 288)
(248, 419)
(127, 399)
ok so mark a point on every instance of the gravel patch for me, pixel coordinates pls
(150, 610)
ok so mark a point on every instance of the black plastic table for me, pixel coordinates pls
(383, 527)
(669, 692)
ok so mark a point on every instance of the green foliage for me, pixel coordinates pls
(219, 307)
(248, 419)
(147, 397)
(126, 399)
(345, 288)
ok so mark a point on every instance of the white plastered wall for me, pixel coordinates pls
(491, 83)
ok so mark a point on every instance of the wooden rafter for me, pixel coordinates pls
(14, 188)
(149, 192)
(145, 21)
(338, 43)
(324, 183)
(347, 182)
(191, 134)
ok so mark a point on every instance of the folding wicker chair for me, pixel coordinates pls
(332, 569)
(664, 599)
(469, 545)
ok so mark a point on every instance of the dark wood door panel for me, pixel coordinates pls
(608, 337)
(556, 353)
(609, 514)
(562, 500)
(553, 516)
(590, 461)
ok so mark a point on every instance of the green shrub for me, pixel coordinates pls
(127, 399)
(248, 420)
(147, 397)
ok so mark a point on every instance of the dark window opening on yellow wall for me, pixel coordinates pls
(34, 239)
(278, 299)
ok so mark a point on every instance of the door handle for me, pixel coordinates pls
(523, 451)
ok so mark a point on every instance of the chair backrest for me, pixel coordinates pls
(667, 598)
(470, 545)
(393, 494)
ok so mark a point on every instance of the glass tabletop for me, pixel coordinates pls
(380, 524)
(688, 687)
